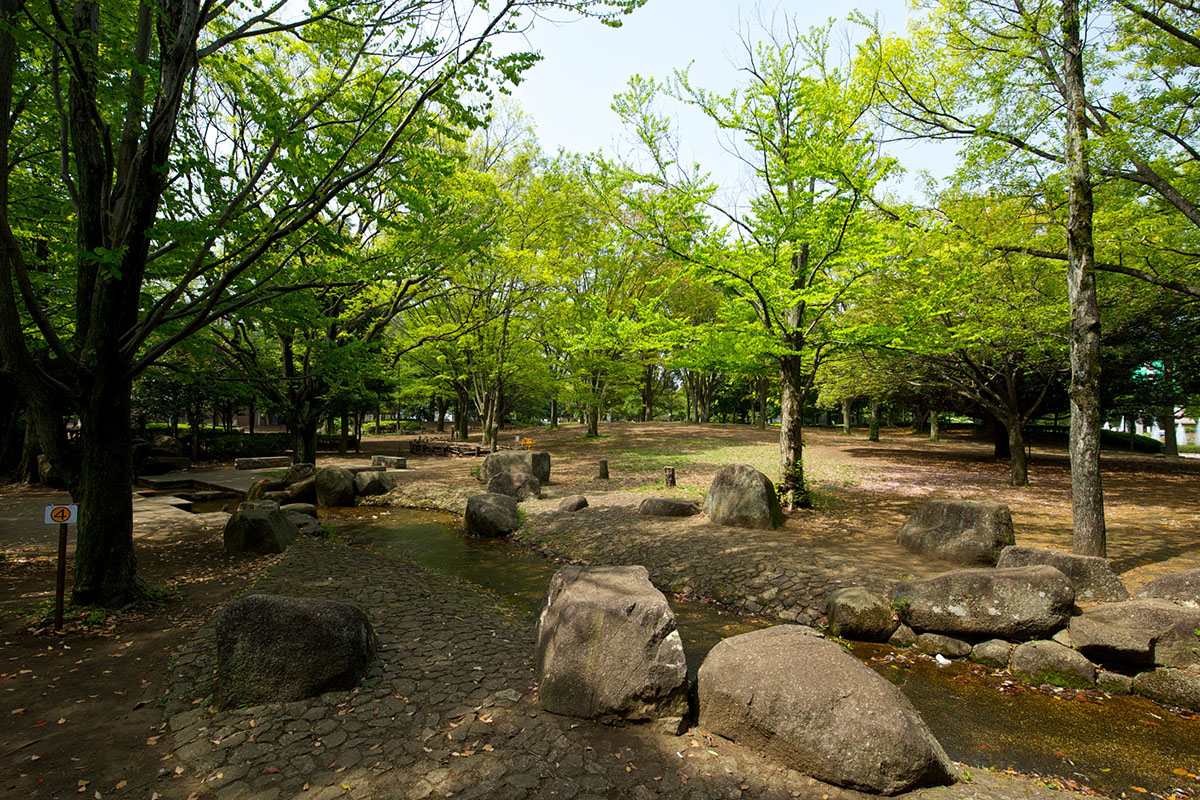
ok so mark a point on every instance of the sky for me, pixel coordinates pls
(584, 64)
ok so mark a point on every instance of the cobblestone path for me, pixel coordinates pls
(448, 710)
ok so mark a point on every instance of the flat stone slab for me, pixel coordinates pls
(1092, 576)
(1146, 631)
(389, 462)
(262, 462)
(668, 507)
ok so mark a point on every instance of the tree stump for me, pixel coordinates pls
(668, 476)
(603, 470)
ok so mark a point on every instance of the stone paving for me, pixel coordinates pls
(449, 710)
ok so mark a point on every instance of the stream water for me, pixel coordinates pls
(1119, 745)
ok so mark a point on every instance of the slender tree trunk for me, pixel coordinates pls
(461, 413)
(252, 413)
(1087, 494)
(593, 420)
(873, 432)
(762, 402)
(1170, 442)
(891, 419)
(934, 431)
(845, 416)
(443, 404)
(1016, 448)
(793, 489)
(105, 565)
(343, 431)
(554, 413)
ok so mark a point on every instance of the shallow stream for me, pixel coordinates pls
(1119, 745)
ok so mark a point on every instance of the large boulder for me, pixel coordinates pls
(1172, 687)
(668, 507)
(862, 615)
(1091, 576)
(305, 525)
(970, 532)
(1139, 632)
(1017, 603)
(370, 484)
(163, 445)
(1179, 587)
(608, 649)
(742, 497)
(492, 515)
(264, 486)
(279, 649)
(572, 503)
(258, 530)
(527, 461)
(520, 485)
(302, 491)
(335, 487)
(298, 472)
(806, 701)
(1050, 662)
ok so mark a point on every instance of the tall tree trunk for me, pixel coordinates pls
(873, 432)
(1170, 441)
(461, 414)
(251, 414)
(443, 405)
(593, 420)
(934, 431)
(891, 418)
(793, 489)
(1087, 494)
(845, 416)
(105, 565)
(762, 402)
(1016, 448)
(554, 413)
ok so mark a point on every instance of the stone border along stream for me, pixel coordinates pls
(448, 710)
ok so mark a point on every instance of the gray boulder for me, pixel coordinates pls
(299, 472)
(992, 653)
(970, 532)
(302, 491)
(305, 525)
(1139, 632)
(258, 530)
(668, 507)
(933, 644)
(1016, 603)
(608, 648)
(335, 487)
(571, 504)
(903, 636)
(262, 487)
(742, 497)
(279, 649)
(1172, 687)
(1178, 587)
(859, 614)
(163, 445)
(531, 463)
(255, 505)
(520, 485)
(1050, 662)
(308, 509)
(492, 515)
(801, 699)
(1091, 576)
(370, 484)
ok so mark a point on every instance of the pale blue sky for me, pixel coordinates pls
(568, 94)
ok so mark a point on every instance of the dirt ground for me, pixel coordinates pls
(81, 715)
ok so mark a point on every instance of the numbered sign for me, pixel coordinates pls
(61, 515)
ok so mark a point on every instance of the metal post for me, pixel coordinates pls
(60, 587)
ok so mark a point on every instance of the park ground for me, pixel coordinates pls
(84, 711)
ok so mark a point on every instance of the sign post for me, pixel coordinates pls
(61, 516)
